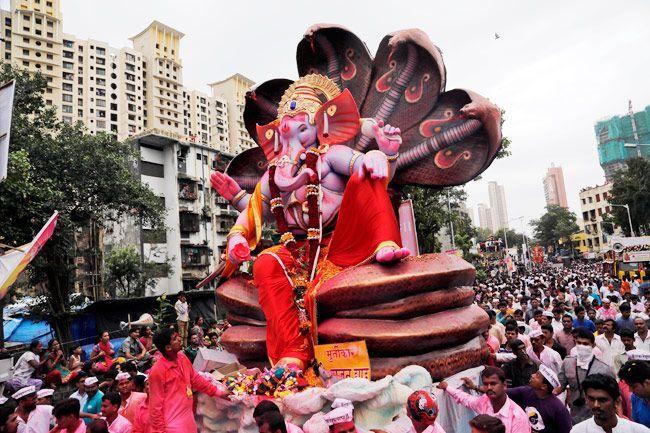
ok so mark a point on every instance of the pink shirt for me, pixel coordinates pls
(80, 429)
(129, 408)
(511, 415)
(435, 428)
(120, 425)
(170, 395)
(141, 422)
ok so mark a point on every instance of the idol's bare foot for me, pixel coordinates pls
(391, 254)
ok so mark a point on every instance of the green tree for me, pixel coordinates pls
(431, 210)
(632, 187)
(127, 274)
(557, 224)
(57, 166)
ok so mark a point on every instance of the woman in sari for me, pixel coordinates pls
(55, 368)
(102, 354)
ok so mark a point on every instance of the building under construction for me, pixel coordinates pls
(621, 138)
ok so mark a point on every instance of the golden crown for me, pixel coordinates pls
(306, 95)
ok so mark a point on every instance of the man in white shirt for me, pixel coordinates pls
(80, 393)
(642, 336)
(32, 418)
(182, 316)
(541, 354)
(602, 396)
(609, 343)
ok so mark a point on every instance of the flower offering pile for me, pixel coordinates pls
(277, 382)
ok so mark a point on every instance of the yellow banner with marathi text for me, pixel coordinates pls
(344, 359)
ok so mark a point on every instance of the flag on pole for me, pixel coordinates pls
(15, 261)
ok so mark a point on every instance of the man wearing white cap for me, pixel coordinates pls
(93, 406)
(44, 396)
(546, 413)
(539, 353)
(31, 418)
(131, 400)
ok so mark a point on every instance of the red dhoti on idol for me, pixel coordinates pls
(366, 223)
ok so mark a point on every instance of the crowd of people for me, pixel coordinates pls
(569, 351)
(109, 390)
(562, 341)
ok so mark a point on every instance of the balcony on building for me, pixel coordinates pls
(189, 222)
(195, 256)
(187, 189)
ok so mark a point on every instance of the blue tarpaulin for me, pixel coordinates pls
(24, 330)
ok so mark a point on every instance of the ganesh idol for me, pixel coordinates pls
(331, 143)
(329, 203)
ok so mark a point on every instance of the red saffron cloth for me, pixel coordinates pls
(366, 221)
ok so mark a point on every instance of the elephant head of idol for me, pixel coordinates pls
(313, 112)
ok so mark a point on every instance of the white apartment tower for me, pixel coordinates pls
(233, 90)
(497, 196)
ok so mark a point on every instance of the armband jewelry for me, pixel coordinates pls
(236, 229)
(238, 196)
(392, 158)
(353, 161)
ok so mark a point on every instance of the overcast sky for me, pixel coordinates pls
(557, 67)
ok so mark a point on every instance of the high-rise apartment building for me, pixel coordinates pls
(486, 217)
(594, 204)
(123, 91)
(498, 205)
(233, 89)
(621, 138)
(554, 190)
(138, 93)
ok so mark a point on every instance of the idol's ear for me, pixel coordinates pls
(269, 139)
(338, 119)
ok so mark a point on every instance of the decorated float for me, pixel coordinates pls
(336, 147)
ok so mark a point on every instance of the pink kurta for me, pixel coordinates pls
(170, 395)
(141, 422)
(512, 416)
(120, 425)
(129, 408)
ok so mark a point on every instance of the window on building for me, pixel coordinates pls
(68, 65)
(130, 57)
(100, 61)
(101, 71)
(66, 119)
(68, 76)
(100, 82)
(101, 103)
(129, 77)
(100, 92)
(66, 108)
(80, 102)
(597, 197)
(152, 169)
(129, 67)
(100, 51)
(130, 87)
(67, 98)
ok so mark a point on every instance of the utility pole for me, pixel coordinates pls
(451, 223)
